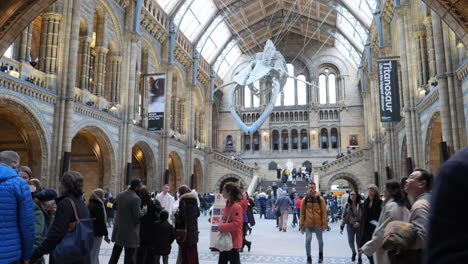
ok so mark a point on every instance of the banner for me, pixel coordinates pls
(388, 91)
(156, 103)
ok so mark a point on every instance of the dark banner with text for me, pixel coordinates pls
(156, 104)
(388, 91)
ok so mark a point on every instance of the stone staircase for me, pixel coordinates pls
(301, 186)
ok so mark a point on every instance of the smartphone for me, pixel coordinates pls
(374, 222)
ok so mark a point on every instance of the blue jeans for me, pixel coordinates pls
(318, 232)
(353, 233)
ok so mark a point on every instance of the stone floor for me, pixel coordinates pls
(268, 246)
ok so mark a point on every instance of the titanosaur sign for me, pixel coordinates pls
(388, 91)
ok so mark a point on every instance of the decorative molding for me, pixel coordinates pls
(27, 88)
(182, 56)
(153, 27)
(429, 100)
(96, 114)
(462, 71)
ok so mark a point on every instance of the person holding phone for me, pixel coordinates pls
(352, 219)
(370, 214)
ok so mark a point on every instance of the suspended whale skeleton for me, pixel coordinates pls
(269, 67)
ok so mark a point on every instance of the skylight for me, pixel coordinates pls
(214, 39)
(194, 15)
(167, 5)
(228, 58)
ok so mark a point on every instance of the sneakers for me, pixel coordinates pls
(309, 260)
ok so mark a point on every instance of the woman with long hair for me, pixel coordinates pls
(186, 218)
(232, 222)
(370, 212)
(352, 220)
(98, 212)
(72, 184)
(394, 208)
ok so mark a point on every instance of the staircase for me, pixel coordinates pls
(342, 163)
(301, 186)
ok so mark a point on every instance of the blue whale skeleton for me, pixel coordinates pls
(269, 67)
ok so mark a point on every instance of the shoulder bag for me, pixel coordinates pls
(77, 242)
(224, 239)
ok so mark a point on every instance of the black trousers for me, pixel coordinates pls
(129, 255)
(231, 256)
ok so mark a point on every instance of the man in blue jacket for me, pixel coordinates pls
(16, 212)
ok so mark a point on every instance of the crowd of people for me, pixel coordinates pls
(406, 226)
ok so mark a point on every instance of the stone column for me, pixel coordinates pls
(451, 79)
(24, 54)
(114, 78)
(49, 42)
(100, 69)
(442, 80)
(84, 53)
(430, 46)
(289, 140)
(326, 89)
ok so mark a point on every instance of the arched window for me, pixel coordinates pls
(243, 118)
(256, 141)
(277, 117)
(294, 138)
(326, 115)
(336, 115)
(287, 117)
(282, 116)
(247, 97)
(334, 138)
(321, 115)
(327, 86)
(304, 139)
(272, 117)
(289, 93)
(301, 116)
(306, 116)
(275, 139)
(296, 117)
(332, 88)
(301, 90)
(322, 89)
(249, 118)
(324, 138)
(285, 139)
(247, 141)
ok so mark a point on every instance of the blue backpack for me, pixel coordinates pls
(77, 243)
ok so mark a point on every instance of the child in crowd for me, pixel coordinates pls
(165, 235)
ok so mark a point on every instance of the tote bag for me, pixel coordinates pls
(76, 243)
(224, 239)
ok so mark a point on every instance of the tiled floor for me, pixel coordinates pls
(268, 246)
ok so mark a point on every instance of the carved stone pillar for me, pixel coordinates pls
(24, 53)
(49, 42)
(430, 46)
(114, 79)
(84, 53)
(100, 69)
(442, 79)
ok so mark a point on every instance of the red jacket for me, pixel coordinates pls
(235, 210)
(298, 203)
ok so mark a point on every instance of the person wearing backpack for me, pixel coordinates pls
(313, 219)
(164, 234)
(72, 183)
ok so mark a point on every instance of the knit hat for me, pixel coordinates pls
(46, 195)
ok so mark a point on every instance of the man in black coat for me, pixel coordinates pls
(448, 236)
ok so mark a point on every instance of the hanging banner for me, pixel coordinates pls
(388, 91)
(156, 103)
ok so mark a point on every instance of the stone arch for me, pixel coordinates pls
(149, 160)
(176, 171)
(433, 138)
(92, 155)
(353, 180)
(198, 182)
(153, 54)
(330, 60)
(30, 137)
(236, 178)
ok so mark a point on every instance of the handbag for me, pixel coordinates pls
(181, 234)
(224, 239)
(76, 243)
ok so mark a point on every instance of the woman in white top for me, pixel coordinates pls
(393, 209)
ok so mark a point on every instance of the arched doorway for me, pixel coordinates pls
(20, 131)
(175, 172)
(433, 138)
(91, 156)
(230, 178)
(341, 182)
(197, 176)
(139, 164)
